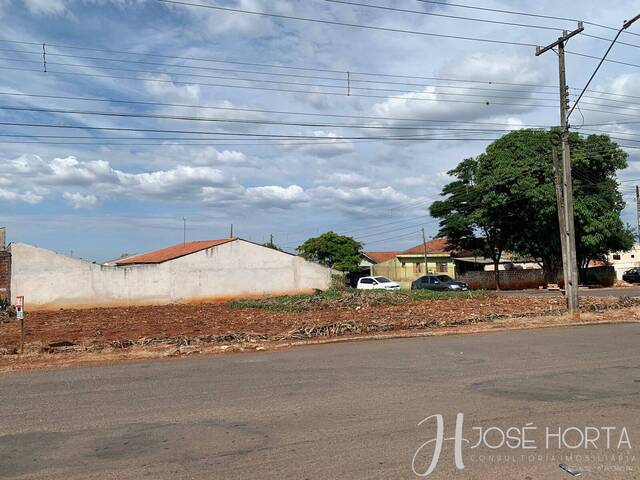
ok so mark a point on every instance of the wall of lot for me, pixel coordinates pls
(5, 275)
(527, 279)
(232, 270)
(509, 279)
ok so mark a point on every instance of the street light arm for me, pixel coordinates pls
(626, 25)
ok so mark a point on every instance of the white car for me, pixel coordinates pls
(377, 283)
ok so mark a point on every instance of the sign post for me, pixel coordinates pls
(20, 317)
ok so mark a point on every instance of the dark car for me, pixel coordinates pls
(438, 283)
(632, 275)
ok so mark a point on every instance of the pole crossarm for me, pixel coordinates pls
(567, 35)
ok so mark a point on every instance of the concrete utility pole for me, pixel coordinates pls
(557, 170)
(638, 211)
(569, 240)
(571, 272)
(424, 243)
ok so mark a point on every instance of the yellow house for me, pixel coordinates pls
(409, 265)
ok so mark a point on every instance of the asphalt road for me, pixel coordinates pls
(340, 411)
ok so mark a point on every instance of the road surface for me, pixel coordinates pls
(339, 411)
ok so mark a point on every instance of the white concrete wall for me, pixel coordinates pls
(231, 270)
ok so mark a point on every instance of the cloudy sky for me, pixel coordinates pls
(279, 126)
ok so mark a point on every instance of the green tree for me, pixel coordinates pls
(333, 250)
(271, 244)
(513, 192)
(472, 217)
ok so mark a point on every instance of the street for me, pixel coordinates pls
(338, 411)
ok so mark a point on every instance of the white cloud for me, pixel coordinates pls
(78, 200)
(361, 200)
(26, 197)
(212, 156)
(345, 178)
(328, 145)
(248, 25)
(47, 7)
(278, 197)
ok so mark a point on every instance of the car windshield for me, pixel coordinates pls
(383, 279)
(444, 278)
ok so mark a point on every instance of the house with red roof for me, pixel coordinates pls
(406, 266)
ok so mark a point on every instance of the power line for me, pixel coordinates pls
(526, 14)
(286, 90)
(345, 85)
(201, 132)
(606, 59)
(351, 86)
(345, 24)
(234, 120)
(346, 82)
(253, 110)
(482, 20)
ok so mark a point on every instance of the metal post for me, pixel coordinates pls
(424, 243)
(557, 170)
(571, 273)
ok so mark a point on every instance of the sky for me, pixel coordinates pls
(277, 125)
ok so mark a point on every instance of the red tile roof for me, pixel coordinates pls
(437, 246)
(379, 257)
(171, 253)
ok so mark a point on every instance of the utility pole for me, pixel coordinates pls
(638, 210)
(231, 232)
(557, 171)
(271, 239)
(424, 243)
(571, 278)
(184, 230)
(569, 240)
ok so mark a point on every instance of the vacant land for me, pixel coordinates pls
(189, 328)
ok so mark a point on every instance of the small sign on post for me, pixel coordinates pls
(20, 317)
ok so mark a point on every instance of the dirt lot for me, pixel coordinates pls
(189, 328)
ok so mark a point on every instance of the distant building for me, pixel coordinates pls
(409, 265)
(369, 259)
(623, 261)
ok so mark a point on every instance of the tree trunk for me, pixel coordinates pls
(551, 270)
(496, 272)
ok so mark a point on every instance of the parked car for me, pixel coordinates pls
(632, 275)
(438, 283)
(377, 283)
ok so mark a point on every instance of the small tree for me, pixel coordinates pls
(272, 245)
(332, 250)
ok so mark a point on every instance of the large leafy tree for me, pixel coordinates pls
(513, 183)
(333, 250)
(472, 217)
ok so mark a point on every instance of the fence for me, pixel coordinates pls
(509, 279)
(534, 278)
